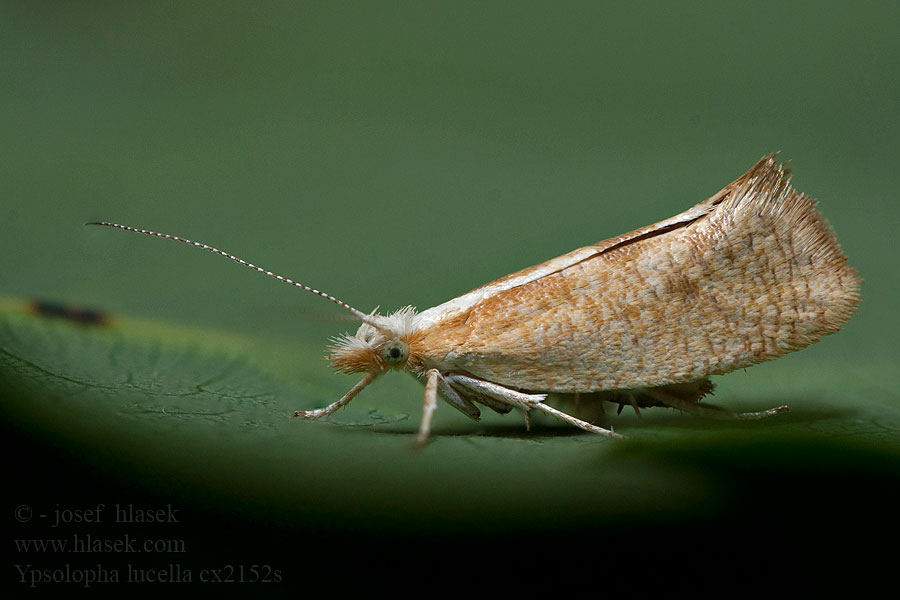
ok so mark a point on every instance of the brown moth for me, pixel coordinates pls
(642, 319)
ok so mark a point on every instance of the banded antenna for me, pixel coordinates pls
(357, 313)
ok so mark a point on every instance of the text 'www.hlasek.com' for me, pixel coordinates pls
(117, 535)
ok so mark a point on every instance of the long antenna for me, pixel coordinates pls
(358, 313)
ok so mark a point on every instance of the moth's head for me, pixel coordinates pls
(381, 344)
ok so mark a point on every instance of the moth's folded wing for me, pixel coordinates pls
(758, 275)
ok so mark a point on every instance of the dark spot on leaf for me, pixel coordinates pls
(49, 308)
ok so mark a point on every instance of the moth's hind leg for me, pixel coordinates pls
(686, 397)
(521, 400)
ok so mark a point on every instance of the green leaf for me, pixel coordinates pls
(211, 413)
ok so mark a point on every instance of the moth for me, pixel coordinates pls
(642, 319)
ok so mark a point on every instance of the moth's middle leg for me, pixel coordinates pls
(524, 401)
(431, 388)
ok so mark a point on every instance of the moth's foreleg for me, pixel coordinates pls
(694, 408)
(332, 408)
(524, 401)
(431, 386)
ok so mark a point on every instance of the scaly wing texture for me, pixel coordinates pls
(519, 278)
(757, 273)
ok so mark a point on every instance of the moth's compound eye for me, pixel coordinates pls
(394, 352)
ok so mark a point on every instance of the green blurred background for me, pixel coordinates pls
(404, 153)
